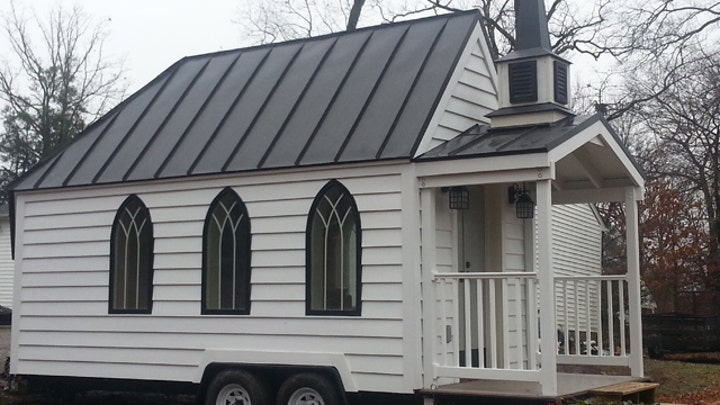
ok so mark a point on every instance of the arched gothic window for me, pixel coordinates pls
(131, 259)
(333, 280)
(226, 256)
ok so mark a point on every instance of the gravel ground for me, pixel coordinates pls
(4, 342)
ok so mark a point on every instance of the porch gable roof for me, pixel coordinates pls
(584, 151)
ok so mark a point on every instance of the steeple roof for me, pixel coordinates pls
(532, 38)
(531, 30)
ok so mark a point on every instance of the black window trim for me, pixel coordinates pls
(246, 259)
(113, 236)
(308, 254)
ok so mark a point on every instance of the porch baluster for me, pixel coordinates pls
(611, 323)
(598, 291)
(518, 323)
(444, 344)
(566, 318)
(588, 319)
(577, 317)
(455, 283)
(467, 321)
(506, 323)
(621, 308)
(492, 284)
(479, 283)
(532, 333)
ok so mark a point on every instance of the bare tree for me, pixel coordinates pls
(659, 39)
(51, 88)
(574, 25)
(273, 21)
(685, 119)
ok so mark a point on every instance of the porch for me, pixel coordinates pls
(506, 316)
(533, 331)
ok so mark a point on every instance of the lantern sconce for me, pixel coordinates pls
(459, 197)
(524, 205)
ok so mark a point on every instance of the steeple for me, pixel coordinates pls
(533, 81)
(531, 30)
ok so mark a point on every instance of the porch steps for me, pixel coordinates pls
(636, 392)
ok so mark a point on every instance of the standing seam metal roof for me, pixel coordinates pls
(483, 141)
(356, 96)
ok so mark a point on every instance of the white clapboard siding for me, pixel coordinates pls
(515, 260)
(577, 248)
(469, 97)
(446, 240)
(64, 327)
(6, 264)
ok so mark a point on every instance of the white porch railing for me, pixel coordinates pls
(487, 324)
(593, 321)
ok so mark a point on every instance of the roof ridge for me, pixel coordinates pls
(205, 149)
(453, 14)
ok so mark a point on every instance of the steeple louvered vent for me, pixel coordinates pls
(560, 81)
(523, 82)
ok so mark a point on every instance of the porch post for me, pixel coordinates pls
(546, 280)
(427, 207)
(633, 277)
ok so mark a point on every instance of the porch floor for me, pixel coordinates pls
(568, 385)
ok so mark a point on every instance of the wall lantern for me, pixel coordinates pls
(524, 205)
(459, 198)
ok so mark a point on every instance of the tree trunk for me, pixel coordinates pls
(354, 16)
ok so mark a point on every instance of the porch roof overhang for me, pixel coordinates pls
(582, 155)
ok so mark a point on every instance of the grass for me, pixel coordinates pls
(683, 382)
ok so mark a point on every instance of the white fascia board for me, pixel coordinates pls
(18, 282)
(259, 357)
(487, 164)
(607, 194)
(496, 177)
(476, 38)
(589, 135)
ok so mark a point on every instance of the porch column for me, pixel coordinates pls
(427, 207)
(546, 281)
(633, 276)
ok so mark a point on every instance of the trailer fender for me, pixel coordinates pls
(338, 361)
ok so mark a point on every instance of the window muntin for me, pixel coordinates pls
(131, 259)
(226, 256)
(333, 253)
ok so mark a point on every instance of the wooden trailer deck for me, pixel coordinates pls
(569, 385)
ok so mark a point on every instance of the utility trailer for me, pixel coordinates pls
(372, 212)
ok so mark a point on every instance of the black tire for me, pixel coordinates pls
(237, 387)
(307, 389)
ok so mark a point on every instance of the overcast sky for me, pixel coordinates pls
(150, 35)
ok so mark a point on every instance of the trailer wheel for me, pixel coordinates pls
(308, 389)
(237, 387)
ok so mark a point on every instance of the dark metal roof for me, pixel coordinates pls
(482, 140)
(350, 97)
